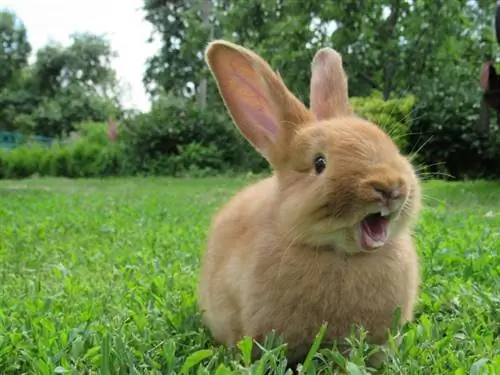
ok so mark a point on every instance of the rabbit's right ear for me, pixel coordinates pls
(259, 103)
(329, 89)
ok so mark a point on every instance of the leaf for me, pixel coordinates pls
(396, 319)
(195, 359)
(339, 359)
(427, 326)
(223, 370)
(476, 366)
(315, 346)
(105, 355)
(353, 369)
(92, 352)
(245, 346)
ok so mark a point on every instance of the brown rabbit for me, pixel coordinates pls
(326, 238)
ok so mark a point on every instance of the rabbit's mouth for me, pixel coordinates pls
(374, 230)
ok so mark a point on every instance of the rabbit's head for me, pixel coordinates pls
(342, 181)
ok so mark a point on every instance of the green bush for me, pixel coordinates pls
(444, 132)
(176, 137)
(86, 154)
(391, 115)
(29, 111)
(23, 161)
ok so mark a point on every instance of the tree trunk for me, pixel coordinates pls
(390, 65)
(207, 11)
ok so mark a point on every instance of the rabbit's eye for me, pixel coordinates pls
(319, 164)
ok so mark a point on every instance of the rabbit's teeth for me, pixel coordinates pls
(385, 211)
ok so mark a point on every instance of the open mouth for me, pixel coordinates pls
(374, 230)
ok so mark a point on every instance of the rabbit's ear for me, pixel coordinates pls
(329, 89)
(260, 104)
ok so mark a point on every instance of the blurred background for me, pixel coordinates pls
(107, 88)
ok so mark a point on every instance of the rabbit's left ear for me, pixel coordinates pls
(329, 89)
(261, 106)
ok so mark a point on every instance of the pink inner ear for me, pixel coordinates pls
(259, 117)
(257, 108)
(321, 93)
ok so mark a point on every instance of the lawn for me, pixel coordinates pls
(100, 277)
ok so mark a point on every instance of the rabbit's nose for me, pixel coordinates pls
(387, 192)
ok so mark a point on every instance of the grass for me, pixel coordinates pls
(100, 277)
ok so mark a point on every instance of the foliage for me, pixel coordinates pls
(85, 154)
(430, 51)
(444, 133)
(85, 62)
(175, 138)
(65, 85)
(391, 115)
(99, 276)
(398, 48)
(14, 47)
(174, 20)
(385, 45)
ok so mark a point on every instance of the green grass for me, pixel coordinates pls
(100, 277)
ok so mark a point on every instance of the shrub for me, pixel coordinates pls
(444, 129)
(391, 115)
(23, 161)
(86, 154)
(92, 132)
(176, 136)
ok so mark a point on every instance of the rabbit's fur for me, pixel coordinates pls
(288, 253)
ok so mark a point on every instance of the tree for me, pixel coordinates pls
(86, 63)
(385, 44)
(65, 85)
(14, 48)
(76, 82)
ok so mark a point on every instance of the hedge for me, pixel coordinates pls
(174, 138)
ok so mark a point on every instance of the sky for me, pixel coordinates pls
(121, 21)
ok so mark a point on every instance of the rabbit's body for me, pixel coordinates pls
(326, 238)
(228, 258)
(250, 286)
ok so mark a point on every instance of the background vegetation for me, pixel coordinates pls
(413, 66)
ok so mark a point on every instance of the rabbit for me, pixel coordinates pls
(327, 238)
